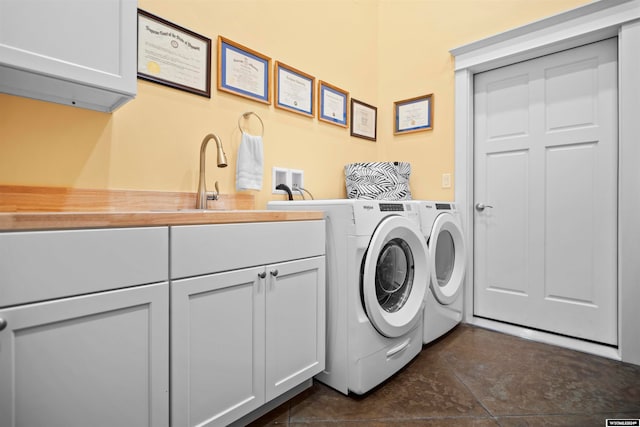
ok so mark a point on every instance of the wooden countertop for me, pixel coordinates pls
(14, 221)
(51, 208)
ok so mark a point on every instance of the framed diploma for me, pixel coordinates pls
(364, 120)
(243, 71)
(413, 115)
(294, 89)
(173, 56)
(332, 104)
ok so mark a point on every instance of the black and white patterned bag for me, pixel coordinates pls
(378, 180)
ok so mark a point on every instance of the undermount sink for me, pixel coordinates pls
(201, 210)
(189, 210)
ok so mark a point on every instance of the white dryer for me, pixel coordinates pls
(376, 285)
(447, 259)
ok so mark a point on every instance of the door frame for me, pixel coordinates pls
(586, 24)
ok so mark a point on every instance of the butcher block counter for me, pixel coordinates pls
(65, 220)
(46, 208)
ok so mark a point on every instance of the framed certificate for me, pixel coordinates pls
(332, 104)
(364, 120)
(173, 56)
(243, 71)
(294, 89)
(413, 115)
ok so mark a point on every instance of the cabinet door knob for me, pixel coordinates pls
(3, 323)
(262, 275)
(274, 273)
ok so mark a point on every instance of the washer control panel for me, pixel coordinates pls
(391, 207)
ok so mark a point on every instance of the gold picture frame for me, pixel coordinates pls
(243, 71)
(413, 115)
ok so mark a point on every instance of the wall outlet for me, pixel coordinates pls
(292, 178)
(279, 176)
(297, 178)
(446, 180)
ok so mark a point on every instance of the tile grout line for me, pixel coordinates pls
(491, 415)
(457, 377)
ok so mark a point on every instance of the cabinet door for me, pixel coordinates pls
(73, 52)
(217, 347)
(48, 265)
(95, 360)
(295, 323)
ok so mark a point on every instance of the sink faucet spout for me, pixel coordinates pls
(202, 196)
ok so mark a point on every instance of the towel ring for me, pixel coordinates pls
(246, 117)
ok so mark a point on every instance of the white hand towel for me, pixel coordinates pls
(249, 167)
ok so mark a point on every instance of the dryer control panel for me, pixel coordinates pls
(444, 206)
(391, 207)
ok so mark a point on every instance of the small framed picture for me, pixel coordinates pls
(332, 104)
(243, 71)
(413, 115)
(173, 56)
(294, 89)
(364, 120)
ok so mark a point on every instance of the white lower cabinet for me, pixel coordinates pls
(217, 347)
(95, 360)
(295, 323)
(243, 337)
(83, 340)
(154, 326)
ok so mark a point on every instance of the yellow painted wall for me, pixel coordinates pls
(380, 51)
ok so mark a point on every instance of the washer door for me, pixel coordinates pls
(447, 258)
(394, 276)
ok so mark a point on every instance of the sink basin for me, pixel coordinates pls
(200, 210)
(188, 210)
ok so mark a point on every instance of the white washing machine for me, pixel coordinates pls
(447, 259)
(376, 285)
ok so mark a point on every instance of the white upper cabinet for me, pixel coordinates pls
(72, 52)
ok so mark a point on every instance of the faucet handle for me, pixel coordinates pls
(213, 195)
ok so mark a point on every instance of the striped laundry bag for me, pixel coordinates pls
(378, 180)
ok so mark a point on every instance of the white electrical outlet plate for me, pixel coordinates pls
(292, 178)
(297, 178)
(446, 180)
(279, 176)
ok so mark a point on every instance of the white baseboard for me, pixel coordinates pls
(548, 338)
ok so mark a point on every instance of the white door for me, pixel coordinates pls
(546, 193)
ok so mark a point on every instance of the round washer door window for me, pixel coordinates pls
(447, 258)
(394, 276)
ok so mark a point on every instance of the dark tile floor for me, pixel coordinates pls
(476, 377)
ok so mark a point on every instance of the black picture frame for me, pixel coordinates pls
(174, 56)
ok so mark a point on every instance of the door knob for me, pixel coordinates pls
(3, 323)
(262, 275)
(481, 206)
(274, 273)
